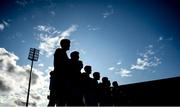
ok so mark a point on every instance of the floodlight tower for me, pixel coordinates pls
(33, 56)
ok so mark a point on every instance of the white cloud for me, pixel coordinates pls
(150, 46)
(160, 38)
(119, 63)
(141, 64)
(44, 28)
(156, 61)
(111, 68)
(5, 23)
(2, 26)
(124, 72)
(53, 13)
(22, 2)
(50, 38)
(68, 31)
(48, 44)
(108, 12)
(50, 68)
(23, 41)
(91, 28)
(14, 82)
(170, 38)
(41, 65)
(146, 60)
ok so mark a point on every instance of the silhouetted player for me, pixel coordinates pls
(105, 92)
(75, 66)
(95, 91)
(115, 94)
(88, 87)
(76, 97)
(52, 88)
(61, 63)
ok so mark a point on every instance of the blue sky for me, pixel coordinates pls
(126, 40)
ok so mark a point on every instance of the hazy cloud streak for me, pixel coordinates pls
(146, 60)
(108, 12)
(3, 25)
(50, 38)
(124, 72)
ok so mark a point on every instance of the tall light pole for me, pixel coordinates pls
(33, 56)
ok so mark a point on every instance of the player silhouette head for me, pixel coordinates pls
(87, 69)
(115, 84)
(105, 79)
(65, 44)
(75, 55)
(96, 75)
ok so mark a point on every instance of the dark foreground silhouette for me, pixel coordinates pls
(165, 92)
(70, 87)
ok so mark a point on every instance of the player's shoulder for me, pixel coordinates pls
(58, 50)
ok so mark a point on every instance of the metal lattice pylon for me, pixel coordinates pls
(33, 56)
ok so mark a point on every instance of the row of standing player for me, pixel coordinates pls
(70, 87)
